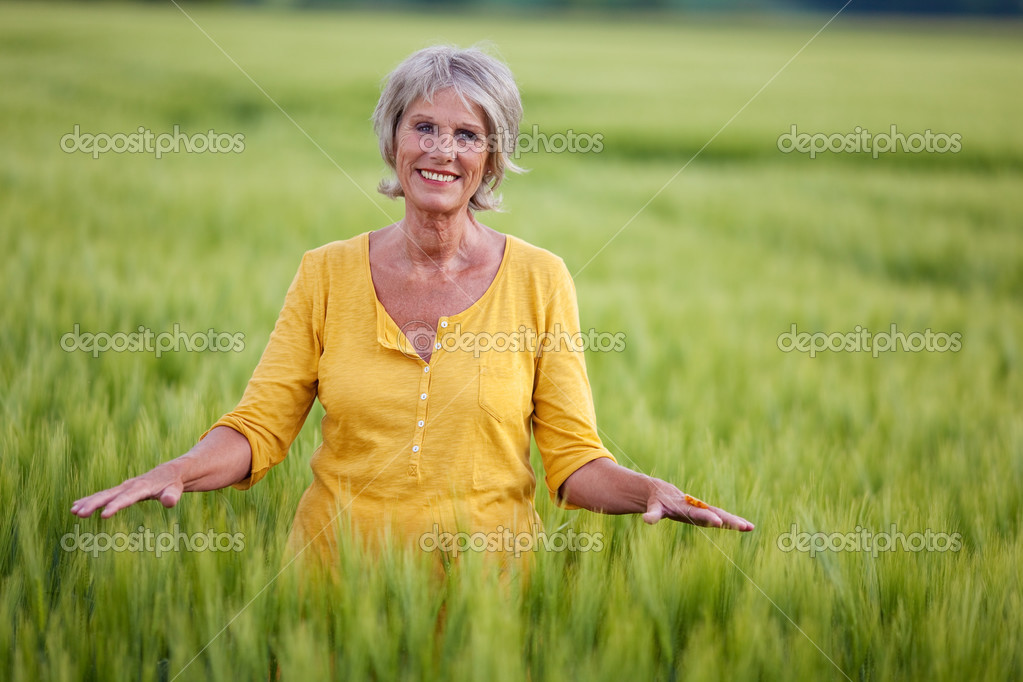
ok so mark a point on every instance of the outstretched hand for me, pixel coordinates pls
(162, 483)
(668, 502)
(217, 461)
(603, 485)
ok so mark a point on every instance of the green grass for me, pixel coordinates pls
(730, 252)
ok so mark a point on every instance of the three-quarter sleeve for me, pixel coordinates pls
(564, 420)
(283, 386)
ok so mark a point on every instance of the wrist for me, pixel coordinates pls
(176, 469)
(648, 490)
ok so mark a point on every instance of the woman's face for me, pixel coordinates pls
(441, 152)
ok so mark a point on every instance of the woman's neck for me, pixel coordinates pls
(441, 243)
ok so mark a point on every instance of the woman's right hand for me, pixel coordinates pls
(163, 483)
(222, 458)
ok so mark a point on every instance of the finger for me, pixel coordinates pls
(699, 514)
(117, 504)
(124, 495)
(126, 499)
(85, 507)
(170, 495)
(733, 522)
(654, 513)
(699, 517)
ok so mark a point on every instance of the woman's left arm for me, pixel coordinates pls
(606, 487)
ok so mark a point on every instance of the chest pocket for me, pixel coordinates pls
(505, 385)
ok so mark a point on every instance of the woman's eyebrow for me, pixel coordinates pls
(423, 117)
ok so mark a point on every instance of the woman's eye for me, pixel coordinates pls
(424, 128)
(467, 135)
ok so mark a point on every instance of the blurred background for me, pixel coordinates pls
(976, 7)
(697, 230)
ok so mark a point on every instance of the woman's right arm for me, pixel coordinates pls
(262, 427)
(220, 459)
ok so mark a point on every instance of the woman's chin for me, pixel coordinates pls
(435, 205)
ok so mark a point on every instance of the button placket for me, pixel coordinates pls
(423, 402)
(420, 423)
(442, 327)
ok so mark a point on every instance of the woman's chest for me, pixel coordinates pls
(417, 306)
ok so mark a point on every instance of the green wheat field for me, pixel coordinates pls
(689, 232)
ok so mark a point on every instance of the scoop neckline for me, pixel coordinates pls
(368, 271)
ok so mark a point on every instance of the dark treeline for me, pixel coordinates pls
(990, 7)
(912, 7)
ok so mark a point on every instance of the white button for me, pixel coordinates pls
(426, 369)
(444, 323)
(420, 423)
(415, 448)
(422, 396)
(436, 346)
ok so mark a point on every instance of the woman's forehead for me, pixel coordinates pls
(447, 103)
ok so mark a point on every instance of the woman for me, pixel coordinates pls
(403, 334)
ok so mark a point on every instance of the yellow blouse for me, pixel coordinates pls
(409, 447)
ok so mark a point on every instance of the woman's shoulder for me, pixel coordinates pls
(353, 247)
(534, 262)
(343, 255)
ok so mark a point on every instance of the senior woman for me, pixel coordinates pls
(427, 418)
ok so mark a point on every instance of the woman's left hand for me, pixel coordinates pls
(668, 502)
(605, 486)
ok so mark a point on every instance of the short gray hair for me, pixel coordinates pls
(477, 78)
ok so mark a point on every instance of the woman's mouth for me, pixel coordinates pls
(436, 176)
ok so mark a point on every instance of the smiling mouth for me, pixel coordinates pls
(438, 177)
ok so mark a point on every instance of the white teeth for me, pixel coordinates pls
(437, 176)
